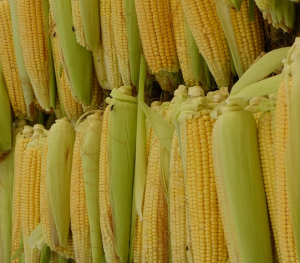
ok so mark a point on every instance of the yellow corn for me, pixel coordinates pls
(206, 28)
(206, 230)
(33, 44)
(177, 205)
(99, 65)
(120, 36)
(155, 217)
(21, 144)
(283, 224)
(110, 54)
(155, 24)
(77, 22)
(249, 36)
(9, 62)
(79, 214)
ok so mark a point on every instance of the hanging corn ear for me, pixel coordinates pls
(240, 187)
(24, 78)
(72, 108)
(206, 229)
(58, 174)
(6, 195)
(31, 174)
(281, 14)
(46, 213)
(9, 63)
(96, 95)
(168, 81)
(109, 50)
(35, 44)
(76, 60)
(155, 24)
(5, 118)
(21, 143)
(99, 65)
(78, 207)
(89, 154)
(116, 167)
(209, 38)
(120, 39)
(86, 22)
(134, 41)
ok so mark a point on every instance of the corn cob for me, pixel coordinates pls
(9, 63)
(210, 39)
(109, 50)
(35, 48)
(155, 24)
(77, 22)
(72, 108)
(99, 65)
(21, 144)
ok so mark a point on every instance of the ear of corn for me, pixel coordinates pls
(240, 187)
(209, 33)
(155, 24)
(60, 147)
(99, 65)
(77, 61)
(89, 153)
(5, 118)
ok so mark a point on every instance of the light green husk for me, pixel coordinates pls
(51, 73)
(36, 239)
(5, 117)
(240, 186)
(89, 153)
(134, 41)
(292, 152)
(225, 19)
(77, 60)
(58, 174)
(90, 16)
(25, 81)
(121, 158)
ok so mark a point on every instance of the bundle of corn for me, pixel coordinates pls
(72, 108)
(109, 49)
(38, 48)
(116, 168)
(21, 143)
(85, 222)
(5, 118)
(46, 213)
(23, 75)
(86, 21)
(158, 41)
(6, 195)
(31, 175)
(76, 60)
(134, 41)
(245, 38)
(9, 63)
(120, 39)
(209, 38)
(58, 173)
(281, 14)
(240, 187)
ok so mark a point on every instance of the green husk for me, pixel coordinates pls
(240, 186)
(292, 152)
(25, 81)
(45, 254)
(90, 15)
(5, 117)
(121, 152)
(77, 60)
(62, 259)
(36, 239)
(261, 69)
(90, 152)
(51, 73)
(237, 4)
(225, 19)
(134, 41)
(58, 174)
